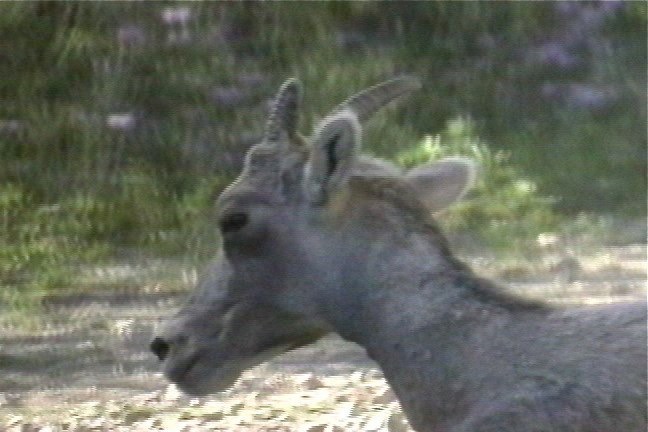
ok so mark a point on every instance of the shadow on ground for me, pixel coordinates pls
(86, 365)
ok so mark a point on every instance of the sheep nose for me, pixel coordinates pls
(160, 348)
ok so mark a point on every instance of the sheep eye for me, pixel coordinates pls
(233, 222)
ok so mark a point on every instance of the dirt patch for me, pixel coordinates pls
(86, 365)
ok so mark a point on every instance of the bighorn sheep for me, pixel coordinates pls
(318, 239)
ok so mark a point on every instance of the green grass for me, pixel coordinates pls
(74, 190)
(505, 210)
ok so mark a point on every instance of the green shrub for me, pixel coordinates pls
(505, 206)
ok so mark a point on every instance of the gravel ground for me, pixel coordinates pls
(83, 365)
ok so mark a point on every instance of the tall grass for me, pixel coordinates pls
(118, 128)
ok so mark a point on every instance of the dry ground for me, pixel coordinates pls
(82, 363)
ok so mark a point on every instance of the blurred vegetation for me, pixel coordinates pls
(120, 121)
(506, 209)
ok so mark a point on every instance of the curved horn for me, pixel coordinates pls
(367, 102)
(283, 113)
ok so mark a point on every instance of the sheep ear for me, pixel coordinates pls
(334, 146)
(441, 183)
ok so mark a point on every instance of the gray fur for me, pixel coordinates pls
(327, 241)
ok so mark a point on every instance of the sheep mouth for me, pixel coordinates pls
(198, 376)
(211, 369)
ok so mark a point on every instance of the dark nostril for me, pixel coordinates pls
(160, 348)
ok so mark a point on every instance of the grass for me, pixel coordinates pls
(505, 211)
(78, 187)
